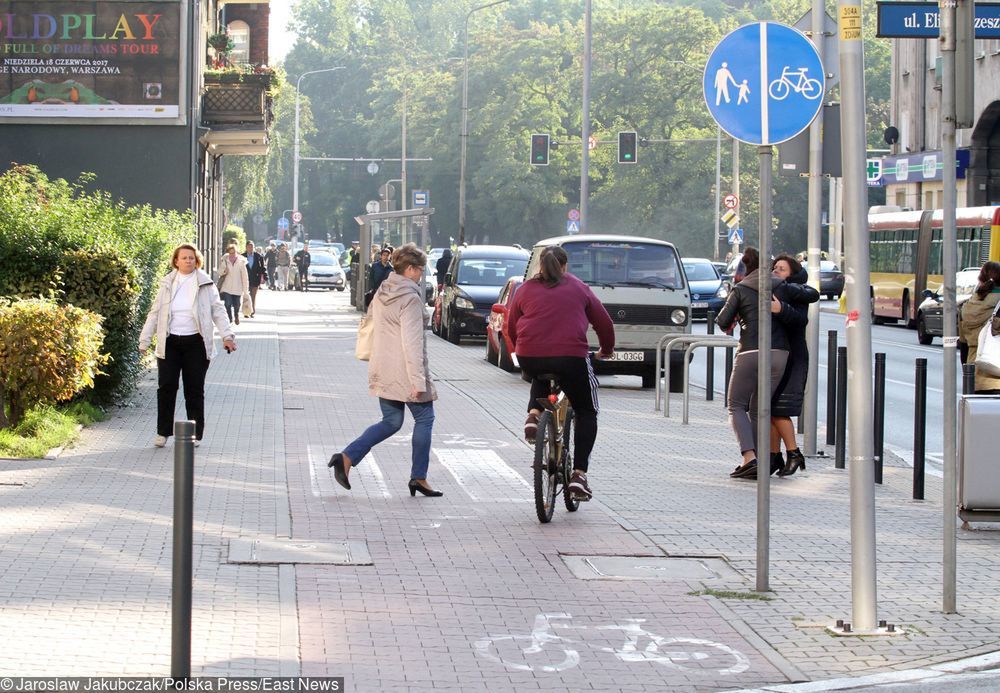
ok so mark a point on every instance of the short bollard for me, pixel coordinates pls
(919, 427)
(180, 643)
(879, 414)
(831, 387)
(968, 379)
(710, 361)
(841, 437)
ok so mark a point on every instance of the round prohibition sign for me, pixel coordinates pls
(296, 217)
(731, 201)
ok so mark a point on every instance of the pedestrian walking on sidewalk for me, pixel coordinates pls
(284, 261)
(787, 400)
(398, 373)
(256, 273)
(741, 306)
(974, 314)
(271, 263)
(548, 323)
(184, 312)
(233, 282)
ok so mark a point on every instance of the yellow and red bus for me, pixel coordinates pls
(906, 255)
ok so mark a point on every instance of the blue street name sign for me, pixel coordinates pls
(764, 83)
(922, 20)
(420, 198)
(572, 226)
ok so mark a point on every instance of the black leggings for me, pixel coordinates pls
(577, 379)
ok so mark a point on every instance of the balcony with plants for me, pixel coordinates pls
(236, 102)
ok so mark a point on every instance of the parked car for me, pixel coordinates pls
(325, 271)
(720, 267)
(930, 312)
(831, 279)
(472, 285)
(498, 346)
(708, 290)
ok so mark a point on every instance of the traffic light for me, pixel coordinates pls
(539, 150)
(626, 147)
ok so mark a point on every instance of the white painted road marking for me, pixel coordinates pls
(475, 469)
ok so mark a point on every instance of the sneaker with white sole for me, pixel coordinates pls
(579, 488)
(159, 441)
(531, 427)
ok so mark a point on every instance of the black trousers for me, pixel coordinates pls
(577, 379)
(185, 357)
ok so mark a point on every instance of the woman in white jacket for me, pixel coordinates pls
(398, 373)
(181, 318)
(235, 281)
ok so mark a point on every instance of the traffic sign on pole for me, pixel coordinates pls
(296, 217)
(735, 236)
(729, 218)
(572, 227)
(764, 83)
(573, 215)
(283, 224)
(731, 201)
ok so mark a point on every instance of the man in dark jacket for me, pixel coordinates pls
(381, 269)
(271, 263)
(302, 260)
(256, 273)
(441, 268)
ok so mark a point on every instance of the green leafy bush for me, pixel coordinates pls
(48, 353)
(45, 427)
(234, 235)
(61, 241)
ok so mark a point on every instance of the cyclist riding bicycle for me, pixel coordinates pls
(548, 321)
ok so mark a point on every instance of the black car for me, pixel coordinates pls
(472, 285)
(831, 279)
(708, 289)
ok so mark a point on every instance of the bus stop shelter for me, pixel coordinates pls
(407, 225)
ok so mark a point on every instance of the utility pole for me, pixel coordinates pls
(736, 187)
(718, 191)
(861, 447)
(585, 125)
(810, 405)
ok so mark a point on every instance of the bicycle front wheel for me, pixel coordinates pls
(545, 467)
(572, 504)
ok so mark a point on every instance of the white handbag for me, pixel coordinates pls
(988, 351)
(366, 338)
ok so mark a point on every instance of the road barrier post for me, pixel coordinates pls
(879, 414)
(841, 432)
(710, 361)
(180, 642)
(969, 379)
(831, 387)
(919, 427)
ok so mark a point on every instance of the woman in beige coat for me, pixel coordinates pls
(974, 314)
(397, 372)
(234, 282)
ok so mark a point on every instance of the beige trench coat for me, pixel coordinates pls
(398, 365)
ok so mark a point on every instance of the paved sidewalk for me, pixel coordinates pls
(457, 585)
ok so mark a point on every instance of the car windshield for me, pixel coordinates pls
(700, 271)
(625, 263)
(322, 259)
(489, 271)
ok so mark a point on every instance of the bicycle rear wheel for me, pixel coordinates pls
(545, 467)
(572, 504)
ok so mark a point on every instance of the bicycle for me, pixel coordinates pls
(553, 463)
(543, 649)
(812, 89)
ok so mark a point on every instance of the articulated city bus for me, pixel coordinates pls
(906, 255)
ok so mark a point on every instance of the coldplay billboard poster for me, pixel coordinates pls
(96, 60)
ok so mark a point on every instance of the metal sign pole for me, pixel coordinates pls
(585, 126)
(766, 154)
(859, 332)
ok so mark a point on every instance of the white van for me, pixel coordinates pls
(642, 284)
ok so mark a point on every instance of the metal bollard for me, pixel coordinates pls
(919, 427)
(831, 387)
(879, 415)
(729, 373)
(841, 436)
(969, 379)
(710, 361)
(180, 643)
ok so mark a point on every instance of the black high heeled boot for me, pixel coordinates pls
(777, 462)
(796, 460)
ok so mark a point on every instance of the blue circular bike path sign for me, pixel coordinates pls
(764, 83)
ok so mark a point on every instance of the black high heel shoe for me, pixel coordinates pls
(337, 462)
(796, 460)
(415, 486)
(777, 462)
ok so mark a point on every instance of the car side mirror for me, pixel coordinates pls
(498, 308)
(928, 293)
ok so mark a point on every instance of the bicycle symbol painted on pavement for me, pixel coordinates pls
(780, 88)
(544, 650)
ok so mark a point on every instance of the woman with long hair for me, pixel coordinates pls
(398, 373)
(547, 322)
(974, 314)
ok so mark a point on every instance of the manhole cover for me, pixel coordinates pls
(282, 550)
(650, 568)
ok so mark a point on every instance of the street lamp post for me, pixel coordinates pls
(295, 159)
(465, 120)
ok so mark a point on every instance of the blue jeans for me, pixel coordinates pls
(232, 302)
(392, 421)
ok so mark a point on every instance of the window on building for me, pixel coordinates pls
(239, 32)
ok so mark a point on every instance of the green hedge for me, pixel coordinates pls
(60, 241)
(234, 235)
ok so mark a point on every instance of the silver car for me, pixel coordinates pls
(325, 272)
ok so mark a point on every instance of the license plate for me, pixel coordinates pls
(699, 304)
(627, 356)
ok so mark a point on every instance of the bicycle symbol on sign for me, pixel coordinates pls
(543, 650)
(810, 88)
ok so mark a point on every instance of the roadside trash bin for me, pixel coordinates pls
(978, 469)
